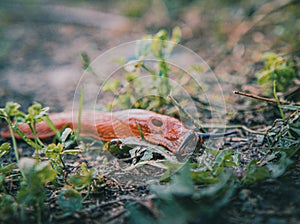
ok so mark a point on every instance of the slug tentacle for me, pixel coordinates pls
(215, 135)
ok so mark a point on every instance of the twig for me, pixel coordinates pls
(270, 100)
(116, 215)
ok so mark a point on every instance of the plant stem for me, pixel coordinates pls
(277, 101)
(62, 161)
(26, 139)
(35, 140)
(80, 112)
(38, 211)
(52, 127)
(151, 71)
(141, 131)
(10, 124)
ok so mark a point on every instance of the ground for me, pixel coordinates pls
(41, 61)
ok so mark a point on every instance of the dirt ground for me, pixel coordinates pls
(40, 61)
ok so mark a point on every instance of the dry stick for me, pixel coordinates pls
(270, 100)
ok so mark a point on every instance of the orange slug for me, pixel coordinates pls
(106, 126)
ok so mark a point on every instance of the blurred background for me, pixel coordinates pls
(41, 41)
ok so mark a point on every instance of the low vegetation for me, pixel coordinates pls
(56, 173)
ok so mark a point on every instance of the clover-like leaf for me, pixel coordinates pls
(70, 200)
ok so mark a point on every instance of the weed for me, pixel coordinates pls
(35, 174)
(202, 186)
(32, 190)
(159, 47)
(216, 173)
(277, 68)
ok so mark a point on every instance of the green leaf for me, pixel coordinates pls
(125, 99)
(131, 77)
(223, 184)
(223, 159)
(255, 173)
(161, 35)
(8, 208)
(83, 179)
(119, 61)
(45, 172)
(11, 108)
(80, 180)
(264, 77)
(4, 149)
(203, 177)
(181, 185)
(36, 113)
(279, 168)
(176, 35)
(41, 173)
(157, 48)
(69, 200)
(36, 175)
(172, 167)
(66, 133)
(111, 86)
(85, 60)
(53, 150)
(71, 151)
(7, 169)
(277, 68)
(196, 68)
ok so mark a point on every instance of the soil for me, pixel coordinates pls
(41, 62)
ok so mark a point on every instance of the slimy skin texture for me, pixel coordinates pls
(156, 128)
(106, 126)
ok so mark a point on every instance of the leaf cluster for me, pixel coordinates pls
(276, 68)
(205, 184)
(151, 57)
(47, 172)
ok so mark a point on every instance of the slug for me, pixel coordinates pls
(107, 126)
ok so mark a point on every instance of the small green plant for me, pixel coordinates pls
(276, 68)
(179, 200)
(70, 199)
(4, 149)
(159, 46)
(217, 173)
(8, 208)
(202, 186)
(34, 175)
(14, 117)
(32, 191)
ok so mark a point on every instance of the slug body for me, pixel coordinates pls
(106, 126)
